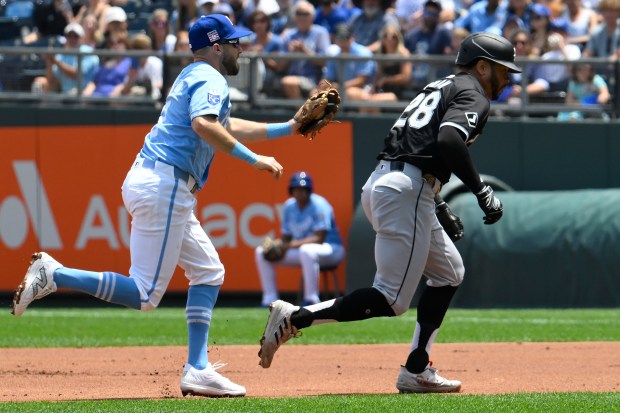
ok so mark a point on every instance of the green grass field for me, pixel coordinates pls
(166, 326)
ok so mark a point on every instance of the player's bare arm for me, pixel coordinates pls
(216, 135)
(249, 131)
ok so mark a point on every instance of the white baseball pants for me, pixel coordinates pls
(310, 257)
(165, 233)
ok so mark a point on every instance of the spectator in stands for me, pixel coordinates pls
(605, 39)
(174, 65)
(586, 86)
(540, 16)
(243, 9)
(283, 19)
(109, 80)
(392, 77)
(92, 34)
(484, 16)
(408, 13)
(160, 32)
(429, 38)
(61, 72)
(350, 7)
(206, 7)
(554, 77)
(227, 10)
(517, 13)
(367, 25)
(182, 46)
(457, 37)
(302, 76)
(353, 77)
(114, 21)
(184, 14)
(520, 39)
(146, 73)
(96, 8)
(329, 14)
(50, 20)
(513, 24)
(265, 41)
(582, 22)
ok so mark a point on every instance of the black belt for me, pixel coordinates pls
(178, 173)
(429, 178)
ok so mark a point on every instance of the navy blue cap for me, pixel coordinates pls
(212, 29)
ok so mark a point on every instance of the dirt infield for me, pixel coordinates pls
(300, 370)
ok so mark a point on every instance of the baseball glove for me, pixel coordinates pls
(273, 250)
(318, 110)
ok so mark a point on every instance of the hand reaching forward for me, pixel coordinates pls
(269, 164)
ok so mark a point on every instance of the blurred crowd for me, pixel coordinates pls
(545, 30)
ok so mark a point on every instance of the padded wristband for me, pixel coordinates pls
(278, 130)
(242, 152)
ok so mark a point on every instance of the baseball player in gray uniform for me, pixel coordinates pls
(428, 142)
(159, 192)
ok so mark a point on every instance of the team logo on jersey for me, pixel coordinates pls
(213, 36)
(472, 119)
(213, 96)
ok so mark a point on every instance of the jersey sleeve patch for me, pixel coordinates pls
(472, 119)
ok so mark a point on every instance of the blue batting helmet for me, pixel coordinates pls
(300, 180)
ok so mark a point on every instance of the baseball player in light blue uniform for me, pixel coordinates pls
(310, 238)
(159, 191)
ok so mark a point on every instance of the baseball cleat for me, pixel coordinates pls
(38, 282)
(426, 382)
(277, 331)
(209, 382)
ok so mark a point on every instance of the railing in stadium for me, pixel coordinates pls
(20, 65)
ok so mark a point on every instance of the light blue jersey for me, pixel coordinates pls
(318, 215)
(198, 90)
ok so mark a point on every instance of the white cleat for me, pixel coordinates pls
(277, 331)
(208, 382)
(38, 282)
(426, 382)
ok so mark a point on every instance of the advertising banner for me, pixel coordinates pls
(60, 192)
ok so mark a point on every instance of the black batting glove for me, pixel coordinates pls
(452, 224)
(490, 205)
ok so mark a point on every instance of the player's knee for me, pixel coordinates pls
(307, 251)
(400, 307)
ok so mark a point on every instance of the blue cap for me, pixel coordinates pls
(212, 29)
(540, 9)
(559, 24)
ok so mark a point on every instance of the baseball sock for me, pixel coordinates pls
(200, 302)
(108, 286)
(361, 304)
(432, 308)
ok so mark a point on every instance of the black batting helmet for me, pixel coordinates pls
(487, 46)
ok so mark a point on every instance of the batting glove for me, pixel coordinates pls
(451, 223)
(490, 205)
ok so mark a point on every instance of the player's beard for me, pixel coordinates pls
(230, 64)
(497, 86)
